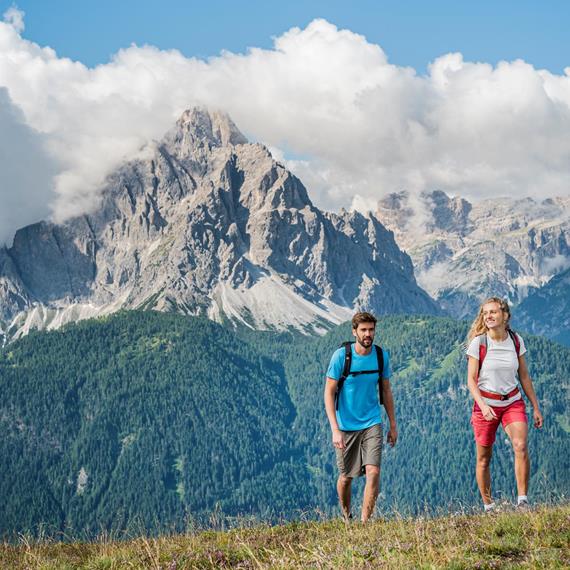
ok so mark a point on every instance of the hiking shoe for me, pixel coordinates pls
(523, 505)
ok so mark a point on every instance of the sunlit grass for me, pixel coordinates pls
(535, 539)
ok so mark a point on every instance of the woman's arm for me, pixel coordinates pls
(528, 389)
(472, 374)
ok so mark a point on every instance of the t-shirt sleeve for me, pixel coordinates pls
(387, 371)
(336, 364)
(473, 348)
(523, 347)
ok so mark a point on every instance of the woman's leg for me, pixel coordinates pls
(518, 433)
(483, 472)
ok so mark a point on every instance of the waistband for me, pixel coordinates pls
(503, 397)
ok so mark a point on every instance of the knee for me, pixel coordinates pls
(520, 446)
(344, 480)
(483, 462)
(372, 473)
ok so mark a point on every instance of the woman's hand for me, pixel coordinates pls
(488, 412)
(538, 420)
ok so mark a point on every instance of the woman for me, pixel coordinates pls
(496, 357)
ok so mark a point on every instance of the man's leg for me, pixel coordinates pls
(370, 491)
(517, 432)
(483, 472)
(344, 489)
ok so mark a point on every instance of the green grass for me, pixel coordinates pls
(535, 539)
(447, 364)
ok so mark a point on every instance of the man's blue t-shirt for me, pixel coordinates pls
(359, 406)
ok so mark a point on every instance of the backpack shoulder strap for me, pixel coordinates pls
(345, 370)
(482, 350)
(380, 358)
(516, 341)
(347, 359)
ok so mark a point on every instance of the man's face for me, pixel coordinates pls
(364, 334)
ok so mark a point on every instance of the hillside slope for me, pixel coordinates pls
(149, 420)
(538, 539)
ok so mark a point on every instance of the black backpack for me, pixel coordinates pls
(346, 370)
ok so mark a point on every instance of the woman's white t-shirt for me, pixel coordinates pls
(500, 366)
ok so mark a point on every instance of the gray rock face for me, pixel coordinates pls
(547, 311)
(207, 223)
(464, 253)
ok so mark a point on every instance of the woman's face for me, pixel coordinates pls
(493, 316)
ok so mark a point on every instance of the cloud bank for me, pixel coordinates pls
(26, 171)
(356, 126)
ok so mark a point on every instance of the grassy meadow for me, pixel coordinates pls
(535, 539)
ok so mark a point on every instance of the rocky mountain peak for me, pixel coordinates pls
(199, 127)
(207, 224)
(395, 200)
(449, 213)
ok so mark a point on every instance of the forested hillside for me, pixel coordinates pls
(147, 421)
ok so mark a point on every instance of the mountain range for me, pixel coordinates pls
(205, 223)
(464, 252)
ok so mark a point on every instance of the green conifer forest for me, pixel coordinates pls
(147, 422)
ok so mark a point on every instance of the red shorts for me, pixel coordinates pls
(485, 430)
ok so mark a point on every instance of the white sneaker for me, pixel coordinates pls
(523, 505)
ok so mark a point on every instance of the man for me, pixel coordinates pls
(356, 424)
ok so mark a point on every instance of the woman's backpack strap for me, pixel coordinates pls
(516, 341)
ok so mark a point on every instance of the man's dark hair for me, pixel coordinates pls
(363, 318)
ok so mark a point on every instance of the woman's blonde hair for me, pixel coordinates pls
(478, 327)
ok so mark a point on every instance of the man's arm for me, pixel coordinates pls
(388, 400)
(330, 391)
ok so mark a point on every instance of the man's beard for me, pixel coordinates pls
(365, 342)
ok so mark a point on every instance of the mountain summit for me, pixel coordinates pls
(198, 127)
(207, 223)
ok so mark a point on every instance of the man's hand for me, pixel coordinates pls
(338, 439)
(392, 436)
(538, 420)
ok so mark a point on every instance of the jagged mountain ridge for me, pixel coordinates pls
(206, 223)
(546, 311)
(464, 252)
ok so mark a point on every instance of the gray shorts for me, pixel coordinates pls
(363, 447)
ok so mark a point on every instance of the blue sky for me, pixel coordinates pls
(412, 33)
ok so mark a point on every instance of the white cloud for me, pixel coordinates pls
(15, 18)
(435, 279)
(26, 172)
(362, 126)
(553, 265)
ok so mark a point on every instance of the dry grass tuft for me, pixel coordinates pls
(534, 539)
